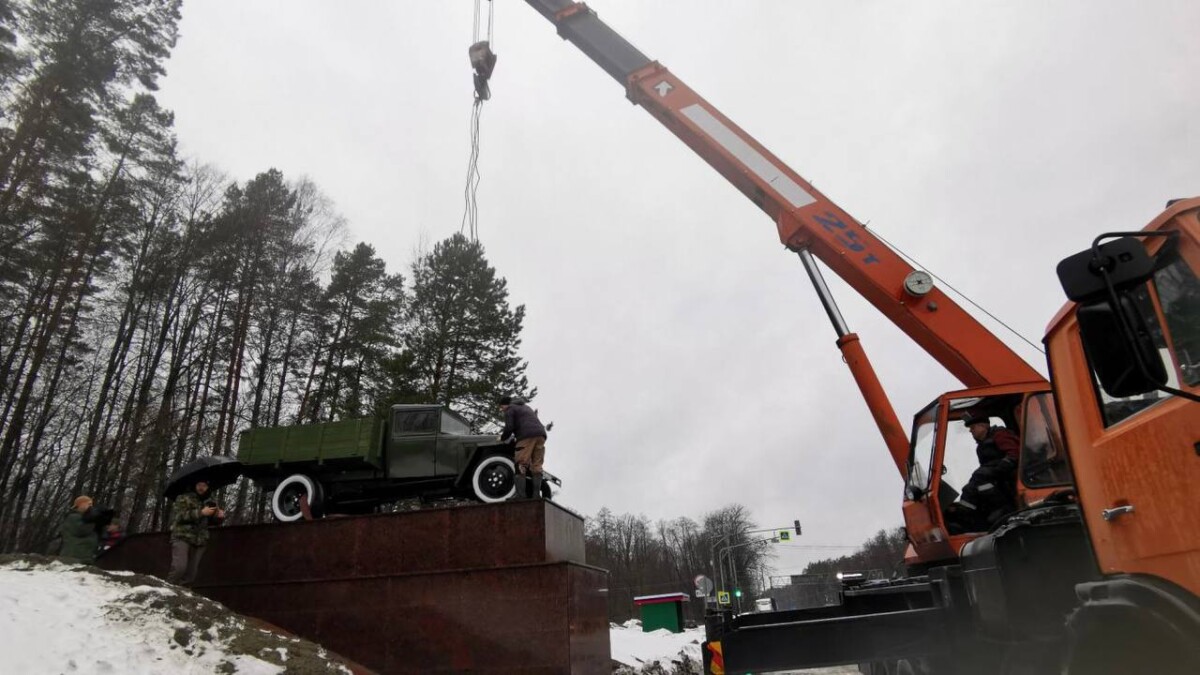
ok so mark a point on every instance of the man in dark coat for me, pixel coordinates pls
(991, 492)
(191, 514)
(79, 535)
(521, 423)
(990, 439)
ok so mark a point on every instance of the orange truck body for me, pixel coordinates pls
(1150, 460)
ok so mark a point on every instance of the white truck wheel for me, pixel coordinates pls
(493, 479)
(285, 501)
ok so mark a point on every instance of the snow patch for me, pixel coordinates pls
(673, 652)
(59, 618)
(662, 652)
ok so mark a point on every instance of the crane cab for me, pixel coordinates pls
(944, 457)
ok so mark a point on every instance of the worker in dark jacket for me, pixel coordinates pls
(990, 439)
(79, 535)
(522, 424)
(991, 492)
(191, 515)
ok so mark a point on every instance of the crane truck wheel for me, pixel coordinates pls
(285, 501)
(493, 479)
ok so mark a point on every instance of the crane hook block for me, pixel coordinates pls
(483, 61)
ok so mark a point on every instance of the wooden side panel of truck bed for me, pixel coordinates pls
(344, 440)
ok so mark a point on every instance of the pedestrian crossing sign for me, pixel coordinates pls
(785, 536)
(722, 597)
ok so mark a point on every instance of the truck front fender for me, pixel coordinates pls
(477, 455)
(505, 449)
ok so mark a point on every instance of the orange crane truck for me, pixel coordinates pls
(1096, 568)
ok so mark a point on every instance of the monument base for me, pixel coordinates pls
(488, 588)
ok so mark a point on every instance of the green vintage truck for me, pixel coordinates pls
(355, 466)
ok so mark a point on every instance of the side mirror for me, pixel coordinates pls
(1125, 260)
(1124, 367)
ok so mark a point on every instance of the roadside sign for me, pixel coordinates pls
(704, 586)
(723, 597)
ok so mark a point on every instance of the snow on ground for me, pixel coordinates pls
(58, 618)
(662, 651)
(633, 648)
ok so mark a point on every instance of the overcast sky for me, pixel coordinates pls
(677, 346)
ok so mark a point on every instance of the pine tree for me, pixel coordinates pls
(463, 338)
(363, 309)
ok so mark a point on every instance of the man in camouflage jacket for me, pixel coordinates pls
(191, 514)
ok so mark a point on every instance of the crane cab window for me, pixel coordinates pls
(979, 463)
(1043, 456)
(959, 460)
(924, 442)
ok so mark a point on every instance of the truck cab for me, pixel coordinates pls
(421, 441)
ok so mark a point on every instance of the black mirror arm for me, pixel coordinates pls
(1102, 266)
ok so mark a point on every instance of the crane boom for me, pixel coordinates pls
(806, 219)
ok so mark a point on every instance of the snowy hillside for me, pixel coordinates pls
(57, 618)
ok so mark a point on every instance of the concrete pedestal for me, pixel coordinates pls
(489, 588)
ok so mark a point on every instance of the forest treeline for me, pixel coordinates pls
(883, 553)
(664, 556)
(152, 307)
(651, 558)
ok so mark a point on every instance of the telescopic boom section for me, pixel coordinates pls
(805, 218)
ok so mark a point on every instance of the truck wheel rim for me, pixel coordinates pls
(289, 499)
(285, 502)
(494, 479)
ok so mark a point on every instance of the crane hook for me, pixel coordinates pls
(483, 61)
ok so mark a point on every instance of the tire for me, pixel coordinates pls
(285, 501)
(1133, 647)
(493, 479)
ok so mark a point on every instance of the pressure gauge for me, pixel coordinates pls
(918, 283)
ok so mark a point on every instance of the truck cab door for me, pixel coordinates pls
(922, 521)
(452, 454)
(1137, 457)
(412, 442)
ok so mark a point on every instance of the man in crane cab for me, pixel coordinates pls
(980, 425)
(521, 423)
(992, 491)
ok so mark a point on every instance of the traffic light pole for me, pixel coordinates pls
(733, 565)
(718, 562)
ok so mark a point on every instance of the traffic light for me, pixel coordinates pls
(737, 592)
(797, 524)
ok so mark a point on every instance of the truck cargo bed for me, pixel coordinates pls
(357, 439)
